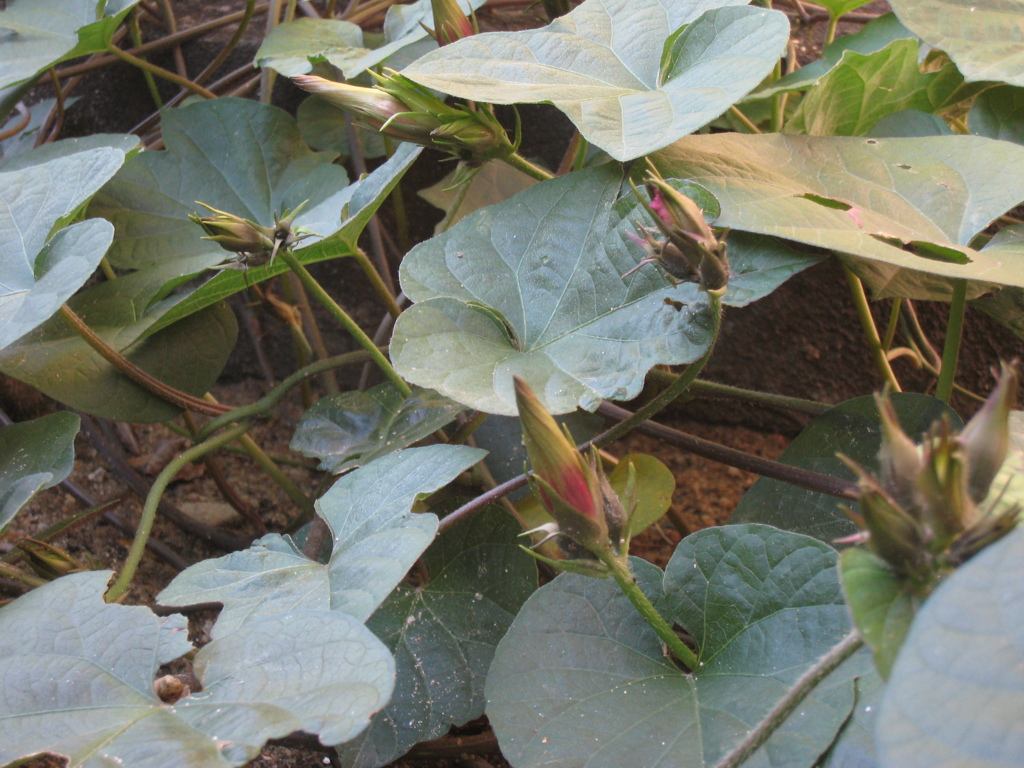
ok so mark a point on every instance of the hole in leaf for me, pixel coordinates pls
(904, 166)
(676, 305)
(871, 141)
(828, 202)
(926, 250)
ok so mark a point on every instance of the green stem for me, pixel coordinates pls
(794, 696)
(457, 199)
(316, 338)
(627, 583)
(747, 122)
(463, 433)
(677, 387)
(867, 323)
(830, 35)
(149, 509)
(386, 297)
(136, 34)
(243, 25)
(713, 389)
(951, 348)
(266, 404)
(519, 162)
(347, 322)
(166, 74)
(890, 330)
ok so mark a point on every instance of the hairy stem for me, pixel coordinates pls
(519, 162)
(149, 383)
(788, 703)
(164, 479)
(627, 583)
(713, 389)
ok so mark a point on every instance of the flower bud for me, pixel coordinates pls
(450, 23)
(899, 458)
(894, 535)
(233, 233)
(569, 489)
(986, 438)
(373, 108)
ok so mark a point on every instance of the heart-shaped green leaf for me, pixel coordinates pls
(862, 89)
(537, 287)
(352, 429)
(77, 680)
(125, 312)
(443, 634)
(984, 37)
(907, 208)
(34, 455)
(580, 679)
(41, 33)
(41, 272)
(375, 540)
(633, 77)
(852, 428)
(956, 694)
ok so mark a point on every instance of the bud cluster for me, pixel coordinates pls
(921, 514)
(689, 250)
(591, 522)
(254, 244)
(398, 107)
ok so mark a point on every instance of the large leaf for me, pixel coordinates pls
(626, 74)
(984, 37)
(862, 89)
(956, 695)
(34, 455)
(580, 678)
(375, 540)
(534, 287)
(125, 312)
(358, 203)
(36, 34)
(852, 428)
(352, 429)
(236, 155)
(443, 634)
(77, 680)
(906, 207)
(41, 272)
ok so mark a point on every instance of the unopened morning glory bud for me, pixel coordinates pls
(569, 489)
(47, 561)
(986, 438)
(373, 108)
(233, 233)
(450, 22)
